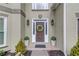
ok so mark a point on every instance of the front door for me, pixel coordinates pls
(40, 30)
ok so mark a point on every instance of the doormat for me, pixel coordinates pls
(40, 46)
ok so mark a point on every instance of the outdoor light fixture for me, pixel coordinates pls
(28, 22)
(52, 22)
(40, 16)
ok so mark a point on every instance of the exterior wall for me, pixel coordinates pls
(30, 14)
(11, 5)
(59, 26)
(15, 27)
(16, 30)
(71, 25)
(9, 28)
(22, 21)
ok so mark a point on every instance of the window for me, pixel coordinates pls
(39, 6)
(3, 30)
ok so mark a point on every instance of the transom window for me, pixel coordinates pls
(39, 6)
(3, 30)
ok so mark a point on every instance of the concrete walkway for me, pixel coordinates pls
(39, 53)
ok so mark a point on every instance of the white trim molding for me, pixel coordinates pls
(45, 20)
(5, 30)
(64, 28)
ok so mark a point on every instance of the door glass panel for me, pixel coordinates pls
(46, 28)
(33, 28)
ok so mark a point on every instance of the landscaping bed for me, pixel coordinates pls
(55, 53)
(28, 53)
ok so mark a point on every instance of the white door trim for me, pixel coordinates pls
(64, 28)
(34, 20)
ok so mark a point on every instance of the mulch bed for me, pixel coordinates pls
(55, 53)
(28, 53)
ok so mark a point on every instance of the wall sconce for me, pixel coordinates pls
(28, 22)
(40, 16)
(52, 22)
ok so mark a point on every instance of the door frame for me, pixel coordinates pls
(34, 20)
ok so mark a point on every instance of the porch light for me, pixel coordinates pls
(27, 22)
(40, 16)
(52, 22)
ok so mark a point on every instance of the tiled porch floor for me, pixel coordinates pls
(43, 51)
(48, 47)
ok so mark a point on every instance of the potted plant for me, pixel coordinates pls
(53, 40)
(26, 40)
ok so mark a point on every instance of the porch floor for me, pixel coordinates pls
(48, 51)
(48, 47)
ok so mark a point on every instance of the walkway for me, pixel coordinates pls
(39, 53)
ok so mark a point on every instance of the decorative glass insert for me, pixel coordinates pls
(33, 28)
(46, 28)
(1, 30)
(39, 6)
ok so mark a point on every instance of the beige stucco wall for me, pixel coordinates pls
(9, 28)
(71, 25)
(59, 26)
(23, 21)
(11, 5)
(15, 28)
(34, 14)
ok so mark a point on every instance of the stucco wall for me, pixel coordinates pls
(34, 14)
(15, 28)
(9, 28)
(71, 25)
(23, 21)
(11, 5)
(59, 26)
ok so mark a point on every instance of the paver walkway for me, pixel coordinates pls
(39, 53)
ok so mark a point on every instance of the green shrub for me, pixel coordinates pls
(75, 50)
(21, 47)
(1, 52)
(26, 38)
(53, 38)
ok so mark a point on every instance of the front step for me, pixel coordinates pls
(39, 53)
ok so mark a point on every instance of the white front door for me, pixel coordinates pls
(39, 30)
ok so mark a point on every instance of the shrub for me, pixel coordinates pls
(1, 52)
(26, 38)
(21, 47)
(53, 38)
(75, 50)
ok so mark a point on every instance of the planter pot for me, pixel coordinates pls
(26, 42)
(53, 43)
